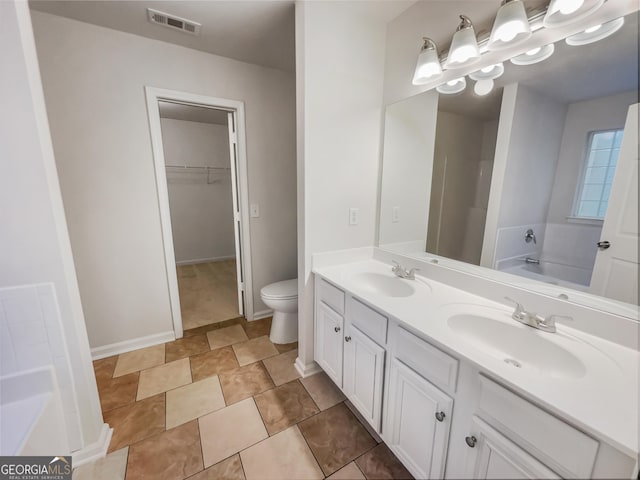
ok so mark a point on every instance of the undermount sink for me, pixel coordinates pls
(518, 345)
(384, 285)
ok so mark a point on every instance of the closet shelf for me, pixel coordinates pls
(198, 167)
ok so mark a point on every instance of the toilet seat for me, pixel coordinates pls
(285, 290)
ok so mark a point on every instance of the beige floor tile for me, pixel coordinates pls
(226, 336)
(213, 362)
(111, 467)
(380, 462)
(139, 360)
(136, 421)
(281, 367)
(229, 469)
(185, 347)
(349, 472)
(163, 378)
(258, 328)
(171, 455)
(285, 455)
(230, 430)
(323, 391)
(254, 350)
(193, 400)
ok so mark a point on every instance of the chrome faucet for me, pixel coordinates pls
(546, 324)
(530, 236)
(399, 271)
(531, 260)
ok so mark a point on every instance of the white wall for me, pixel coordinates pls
(200, 201)
(34, 244)
(340, 50)
(407, 165)
(94, 82)
(528, 144)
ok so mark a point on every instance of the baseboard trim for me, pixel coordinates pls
(94, 451)
(306, 370)
(262, 314)
(128, 345)
(205, 260)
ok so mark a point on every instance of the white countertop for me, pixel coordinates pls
(603, 401)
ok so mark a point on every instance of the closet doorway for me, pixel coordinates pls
(200, 165)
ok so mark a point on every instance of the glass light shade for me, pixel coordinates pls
(510, 27)
(453, 86)
(563, 12)
(483, 87)
(535, 55)
(490, 72)
(595, 33)
(428, 66)
(464, 46)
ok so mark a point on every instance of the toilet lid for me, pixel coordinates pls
(281, 290)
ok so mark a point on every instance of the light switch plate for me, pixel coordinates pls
(354, 214)
(255, 210)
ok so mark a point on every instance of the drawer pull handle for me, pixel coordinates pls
(336, 329)
(440, 416)
(471, 441)
(347, 339)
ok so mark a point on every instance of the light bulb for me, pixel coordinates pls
(487, 69)
(451, 83)
(483, 87)
(509, 31)
(463, 54)
(595, 28)
(567, 7)
(534, 51)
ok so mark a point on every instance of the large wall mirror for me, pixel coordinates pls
(527, 183)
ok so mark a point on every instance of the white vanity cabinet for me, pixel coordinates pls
(329, 330)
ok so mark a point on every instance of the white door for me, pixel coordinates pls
(615, 273)
(493, 456)
(418, 421)
(328, 346)
(237, 225)
(363, 374)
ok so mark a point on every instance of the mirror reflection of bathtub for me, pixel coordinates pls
(550, 271)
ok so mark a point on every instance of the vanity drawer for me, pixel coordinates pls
(368, 320)
(563, 448)
(332, 296)
(427, 360)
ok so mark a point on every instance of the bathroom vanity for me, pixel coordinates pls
(458, 389)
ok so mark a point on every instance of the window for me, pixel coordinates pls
(598, 170)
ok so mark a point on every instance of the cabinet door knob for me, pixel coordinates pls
(603, 245)
(336, 329)
(440, 416)
(347, 339)
(471, 441)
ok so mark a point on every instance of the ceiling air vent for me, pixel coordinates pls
(173, 22)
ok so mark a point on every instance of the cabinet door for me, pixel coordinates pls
(494, 456)
(418, 421)
(363, 374)
(328, 345)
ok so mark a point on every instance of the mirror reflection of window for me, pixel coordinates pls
(598, 170)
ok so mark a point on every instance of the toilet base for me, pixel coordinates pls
(284, 328)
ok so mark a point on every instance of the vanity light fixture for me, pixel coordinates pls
(563, 12)
(464, 46)
(453, 86)
(483, 87)
(428, 67)
(535, 55)
(510, 27)
(488, 73)
(595, 33)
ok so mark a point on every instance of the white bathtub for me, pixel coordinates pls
(554, 273)
(31, 418)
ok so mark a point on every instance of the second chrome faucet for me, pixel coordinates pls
(399, 271)
(546, 324)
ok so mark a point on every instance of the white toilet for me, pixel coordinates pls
(282, 298)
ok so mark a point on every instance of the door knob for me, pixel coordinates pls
(471, 441)
(440, 416)
(347, 339)
(603, 245)
(336, 329)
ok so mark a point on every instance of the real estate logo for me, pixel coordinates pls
(35, 468)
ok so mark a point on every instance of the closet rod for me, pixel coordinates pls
(198, 167)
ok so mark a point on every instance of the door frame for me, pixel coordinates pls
(236, 107)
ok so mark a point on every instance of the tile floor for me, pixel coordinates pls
(225, 403)
(208, 292)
